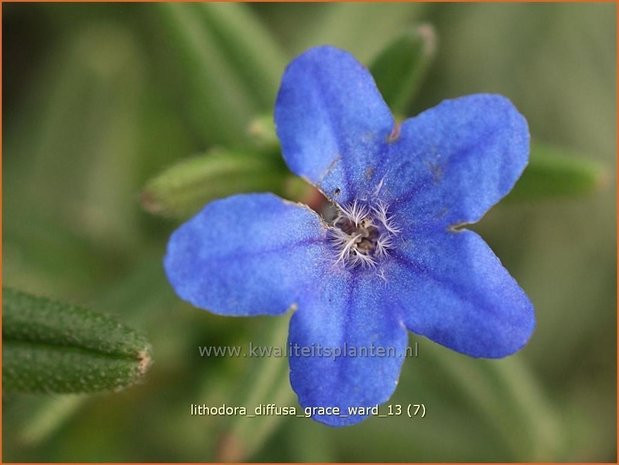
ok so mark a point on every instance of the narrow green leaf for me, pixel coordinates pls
(50, 346)
(48, 415)
(554, 172)
(502, 394)
(86, 108)
(185, 187)
(400, 68)
(266, 381)
(248, 46)
(347, 25)
(215, 97)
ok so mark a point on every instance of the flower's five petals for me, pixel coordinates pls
(243, 255)
(453, 162)
(451, 288)
(392, 259)
(354, 349)
(332, 122)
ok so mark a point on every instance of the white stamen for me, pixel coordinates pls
(383, 216)
(347, 247)
(355, 212)
(359, 258)
(361, 234)
(383, 244)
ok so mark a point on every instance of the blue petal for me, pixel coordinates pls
(246, 255)
(451, 288)
(453, 162)
(347, 314)
(332, 122)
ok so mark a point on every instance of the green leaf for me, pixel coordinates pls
(512, 410)
(224, 63)
(554, 172)
(248, 46)
(86, 108)
(48, 415)
(217, 101)
(267, 381)
(361, 28)
(50, 346)
(401, 66)
(184, 188)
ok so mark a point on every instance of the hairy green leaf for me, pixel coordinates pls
(49, 346)
(553, 172)
(182, 189)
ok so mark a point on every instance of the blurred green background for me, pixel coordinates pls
(100, 98)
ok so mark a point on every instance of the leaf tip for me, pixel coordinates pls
(427, 34)
(603, 180)
(150, 202)
(145, 360)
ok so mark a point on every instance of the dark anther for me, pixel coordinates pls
(345, 225)
(366, 245)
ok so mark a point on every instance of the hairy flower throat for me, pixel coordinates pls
(362, 233)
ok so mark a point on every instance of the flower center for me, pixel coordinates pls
(362, 233)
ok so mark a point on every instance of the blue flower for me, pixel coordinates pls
(394, 257)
